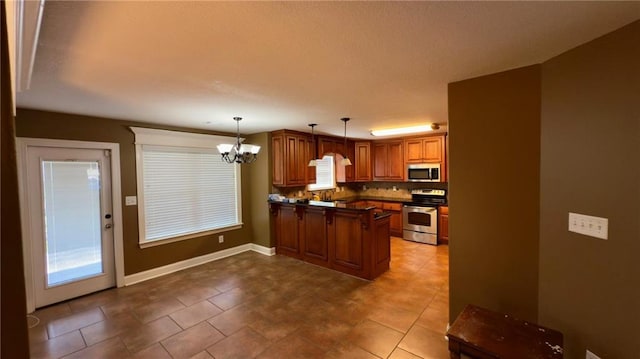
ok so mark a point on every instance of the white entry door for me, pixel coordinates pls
(70, 222)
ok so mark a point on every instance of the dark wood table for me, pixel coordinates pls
(482, 333)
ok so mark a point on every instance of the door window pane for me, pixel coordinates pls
(72, 220)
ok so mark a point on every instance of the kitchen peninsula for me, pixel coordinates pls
(348, 237)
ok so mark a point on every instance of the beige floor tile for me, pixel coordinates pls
(245, 343)
(108, 349)
(192, 341)
(375, 338)
(108, 328)
(57, 347)
(139, 338)
(271, 307)
(155, 351)
(73, 322)
(292, 346)
(195, 314)
(425, 343)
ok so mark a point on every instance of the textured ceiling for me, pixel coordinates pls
(287, 64)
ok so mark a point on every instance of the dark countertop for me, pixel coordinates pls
(371, 198)
(340, 204)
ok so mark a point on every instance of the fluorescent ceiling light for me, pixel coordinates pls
(401, 130)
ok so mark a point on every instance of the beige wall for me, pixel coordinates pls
(260, 178)
(494, 132)
(43, 124)
(590, 288)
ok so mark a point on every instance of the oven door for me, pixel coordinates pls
(420, 219)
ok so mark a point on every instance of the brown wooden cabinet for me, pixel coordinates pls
(287, 229)
(314, 241)
(352, 241)
(388, 163)
(428, 149)
(395, 226)
(443, 225)
(362, 161)
(291, 155)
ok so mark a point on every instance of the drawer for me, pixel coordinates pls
(375, 203)
(444, 209)
(392, 206)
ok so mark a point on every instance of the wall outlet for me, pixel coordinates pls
(589, 225)
(220, 239)
(590, 355)
(130, 200)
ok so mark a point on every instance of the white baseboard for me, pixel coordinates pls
(196, 261)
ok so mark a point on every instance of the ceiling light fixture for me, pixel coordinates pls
(238, 152)
(312, 162)
(405, 130)
(345, 161)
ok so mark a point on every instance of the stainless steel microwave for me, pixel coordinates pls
(423, 172)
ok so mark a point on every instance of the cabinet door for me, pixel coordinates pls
(395, 224)
(380, 161)
(287, 241)
(315, 236)
(311, 154)
(432, 149)
(348, 248)
(362, 162)
(395, 161)
(326, 146)
(350, 170)
(413, 150)
(277, 145)
(443, 225)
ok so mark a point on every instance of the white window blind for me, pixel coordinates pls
(325, 174)
(187, 191)
(184, 191)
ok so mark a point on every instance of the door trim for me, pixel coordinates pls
(22, 144)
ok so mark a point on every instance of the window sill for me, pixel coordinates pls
(160, 242)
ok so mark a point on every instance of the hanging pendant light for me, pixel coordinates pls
(345, 161)
(238, 152)
(312, 162)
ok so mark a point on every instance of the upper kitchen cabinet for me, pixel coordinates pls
(291, 154)
(362, 161)
(424, 149)
(388, 163)
(335, 146)
(428, 149)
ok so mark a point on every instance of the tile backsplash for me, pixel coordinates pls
(395, 190)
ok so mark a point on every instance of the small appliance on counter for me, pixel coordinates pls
(420, 216)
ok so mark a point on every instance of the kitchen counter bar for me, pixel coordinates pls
(348, 237)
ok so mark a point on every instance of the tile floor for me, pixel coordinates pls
(251, 305)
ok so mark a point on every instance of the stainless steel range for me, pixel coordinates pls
(420, 216)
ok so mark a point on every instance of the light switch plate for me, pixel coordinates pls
(130, 200)
(589, 225)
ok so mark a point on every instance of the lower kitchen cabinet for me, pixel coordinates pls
(352, 241)
(395, 226)
(288, 221)
(314, 243)
(443, 225)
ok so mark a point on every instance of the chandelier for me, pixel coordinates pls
(238, 152)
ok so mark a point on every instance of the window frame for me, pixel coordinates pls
(332, 168)
(185, 140)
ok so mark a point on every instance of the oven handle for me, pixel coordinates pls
(421, 209)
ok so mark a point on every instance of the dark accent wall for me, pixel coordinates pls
(590, 288)
(260, 177)
(494, 132)
(43, 124)
(14, 342)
